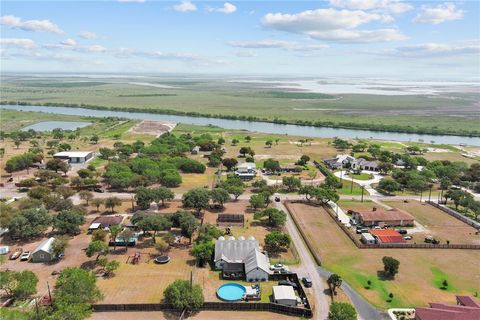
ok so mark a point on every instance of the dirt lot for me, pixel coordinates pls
(155, 128)
(420, 273)
(204, 315)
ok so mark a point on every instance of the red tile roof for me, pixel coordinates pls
(388, 236)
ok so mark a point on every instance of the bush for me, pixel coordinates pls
(181, 295)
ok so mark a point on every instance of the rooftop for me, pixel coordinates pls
(388, 236)
(378, 214)
(284, 293)
(45, 246)
(106, 221)
(232, 250)
(72, 154)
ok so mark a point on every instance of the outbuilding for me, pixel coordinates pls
(284, 295)
(74, 156)
(43, 253)
(367, 238)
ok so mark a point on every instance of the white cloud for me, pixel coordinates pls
(185, 6)
(392, 6)
(429, 50)
(246, 54)
(69, 42)
(334, 25)
(22, 43)
(30, 25)
(87, 35)
(278, 44)
(439, 14)
(227, 8)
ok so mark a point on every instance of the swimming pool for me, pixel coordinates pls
(231, 292)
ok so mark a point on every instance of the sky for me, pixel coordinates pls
(360, 38)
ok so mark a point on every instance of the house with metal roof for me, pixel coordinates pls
(465, 309)
(74, 156)
(241, 258)
(246, 170)
(43, 253)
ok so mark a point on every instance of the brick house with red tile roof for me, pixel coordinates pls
(382, 217)
(466, 309)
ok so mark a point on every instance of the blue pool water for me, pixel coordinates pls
(231, 292)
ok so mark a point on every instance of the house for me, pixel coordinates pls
(230, 220)
(74, 156)
(340, 161)
(465, 309)
(382, 217)
(284, 295)
(195, 150)
(387, 236)
(241, 259)
(363, 164)
(367, 238)
(246, 170)
(104, 222)
(43, 253)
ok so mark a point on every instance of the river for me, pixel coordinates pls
(265, 127)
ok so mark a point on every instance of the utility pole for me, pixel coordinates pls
(363, 188)
(49, 293)
(351, 185)
(430, 193)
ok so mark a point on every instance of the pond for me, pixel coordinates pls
(50, 125)
(264, 127)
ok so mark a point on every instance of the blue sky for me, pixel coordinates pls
(375, 38)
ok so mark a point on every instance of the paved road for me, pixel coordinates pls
(364, 309)
(307, 267)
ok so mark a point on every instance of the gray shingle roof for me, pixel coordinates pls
(234, 250)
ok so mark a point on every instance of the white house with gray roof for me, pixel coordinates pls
(241, 258)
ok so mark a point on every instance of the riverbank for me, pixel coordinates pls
(238, 122)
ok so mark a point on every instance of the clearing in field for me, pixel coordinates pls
(416, 282)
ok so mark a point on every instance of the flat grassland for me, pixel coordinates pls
(421, 271)
(219, 97)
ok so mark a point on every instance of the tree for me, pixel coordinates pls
(96, 247)
(64, 192)
(342, 311)
(187, 223)
(19, 285)
(359, 147)
(291, 183)
(325, 195)
(126, 235)
(271, 165)
(269, 143)
(39, 192)
(390, 266)
(229, 163)
(203, 252)
(114, 232)
(112, 202)
(29, 223)
(97, 202)
(220, 196)
(162, 194)
(57, 165)
(58, 246)
(257, 201)
(99, 235)
(198, 199)
(111, 266)
(94, 139)
(385, 167)
(68, 221)
(86, 196)
(155, 223)
(334, 281)
(143, 197)
(184, 296)
(170, 178)
(277, 241)
(276, 218)
(161, 247)
(308, 191)
(388, 185)
(235, 142)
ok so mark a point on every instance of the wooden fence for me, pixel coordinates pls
(211, 306)
(455, 214)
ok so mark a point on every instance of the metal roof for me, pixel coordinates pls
(73, 154)
(45, 246)
(234, 250)
(284, 293)
(256, 259)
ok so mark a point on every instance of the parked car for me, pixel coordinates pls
(287, 283)
(23, 189)
(377, 228)
(407, 237)
(99, 190)
(402, 231)
(307, 282)
(16, 254)
(25, 256)
(362, 230)
(277, 266)
(277, 199)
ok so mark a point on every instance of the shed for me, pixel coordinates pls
(93, 227)
(257, 267)
(43, 253)
(387, 236)
(367, 238)
(284, 295)
(4, 250)
(74, 156)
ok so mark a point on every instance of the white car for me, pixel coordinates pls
(25, 256)
(407, 237)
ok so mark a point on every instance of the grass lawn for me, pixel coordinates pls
(348, 190)
(414, 285)
(361, 176)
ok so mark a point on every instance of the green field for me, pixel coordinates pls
(222, 98)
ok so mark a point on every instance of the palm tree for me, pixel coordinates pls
(114, 232)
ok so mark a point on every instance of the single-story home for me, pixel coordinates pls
(387, 236)
(340, 161)
(465, 309)
(284, 295)
(363, 164)
(382, 217)
(241, 258)
(43, 253)
(74, 156)
(246, 170)
(104, 222)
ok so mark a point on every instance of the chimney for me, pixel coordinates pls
(374, 208)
